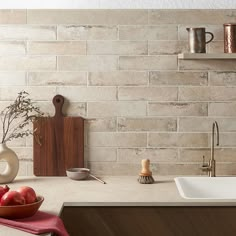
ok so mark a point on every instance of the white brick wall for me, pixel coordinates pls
(119, 70)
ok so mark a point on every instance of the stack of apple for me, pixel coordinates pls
(23, 195)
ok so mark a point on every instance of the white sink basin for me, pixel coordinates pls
(207, 187)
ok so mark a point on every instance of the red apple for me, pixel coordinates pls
(3, 190)
(12, 198)
(28, 193)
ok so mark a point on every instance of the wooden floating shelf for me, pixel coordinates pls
(207, 56)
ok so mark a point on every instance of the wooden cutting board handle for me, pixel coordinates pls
(58, 102)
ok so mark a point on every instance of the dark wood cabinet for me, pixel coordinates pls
(150, 220)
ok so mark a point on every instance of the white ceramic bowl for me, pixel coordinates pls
(78, 173)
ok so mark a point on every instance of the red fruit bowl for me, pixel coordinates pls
(21, 211)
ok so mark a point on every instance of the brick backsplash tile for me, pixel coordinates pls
(117, 47)
(191, 16)
(85, 32)
(116, 78)
(12, 78)
(165, 62)
(27, 32)
(148, 93)
(56, 78)
(19, 63)
(105, 17)
(222, 78)
(36, 93)
(167, 47)
(13, 16)
(96, 154)
(226, 169)
(114, 139)
(155, 155)
(222, 109)
(87, 63)
(57, 47)
(159, 78)
(114, 168)
(177, 169)
(207, 94)
(178, 140)
(161, 32)
(147, 124)
(12, 48)
(121, 108)
(177, 109)
(101, 124)
(88, 93)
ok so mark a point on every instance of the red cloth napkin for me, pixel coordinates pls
(39, 223)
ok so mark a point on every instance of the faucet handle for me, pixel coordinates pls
(204, 164)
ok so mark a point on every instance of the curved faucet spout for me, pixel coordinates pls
(212, 162)
(214, 126)
(211, 166)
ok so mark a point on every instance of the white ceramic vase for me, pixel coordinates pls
(9, 157)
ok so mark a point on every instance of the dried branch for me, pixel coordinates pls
(17, 116)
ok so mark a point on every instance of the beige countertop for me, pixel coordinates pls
(119, 190)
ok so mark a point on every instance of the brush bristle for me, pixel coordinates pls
(145, 180)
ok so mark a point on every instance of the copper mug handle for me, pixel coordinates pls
(212, 37)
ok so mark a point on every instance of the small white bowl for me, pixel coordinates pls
(78, 173)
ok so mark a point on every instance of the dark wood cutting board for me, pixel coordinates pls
(58, 142)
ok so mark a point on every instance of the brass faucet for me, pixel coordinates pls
(211, 166)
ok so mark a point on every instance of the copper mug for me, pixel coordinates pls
(197, 39)
(230, 38)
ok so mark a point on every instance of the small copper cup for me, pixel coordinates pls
(230, 38)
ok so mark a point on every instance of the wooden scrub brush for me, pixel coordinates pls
(145, 176)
